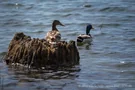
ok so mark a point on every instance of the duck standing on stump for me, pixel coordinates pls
(54, 35)
(85, 38)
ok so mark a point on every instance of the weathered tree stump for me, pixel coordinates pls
(39, 53)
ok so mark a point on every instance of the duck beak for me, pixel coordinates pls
(61, 24)
(92, 28)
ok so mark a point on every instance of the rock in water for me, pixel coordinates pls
(39, 53)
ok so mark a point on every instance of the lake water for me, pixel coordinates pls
(108, 64)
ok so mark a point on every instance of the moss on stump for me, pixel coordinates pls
(39, 53)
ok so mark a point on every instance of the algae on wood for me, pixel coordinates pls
(39, 53)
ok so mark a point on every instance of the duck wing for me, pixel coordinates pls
(84, 36)
(53, 36)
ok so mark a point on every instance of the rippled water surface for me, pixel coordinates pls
(108, 64)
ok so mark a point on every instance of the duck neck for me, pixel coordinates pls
(87, 31)
(54, 27)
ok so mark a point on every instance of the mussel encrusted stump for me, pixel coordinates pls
(38, 53)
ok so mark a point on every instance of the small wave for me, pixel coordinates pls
(38, 25)
(15, 22)
(87, 5)
(131, 72)
(99, 33)
(67, 15)
(111, 24)
(53, 72)
(32, 32)
(133, 39)
(111, 53)
(95, 53)
(11, 4)
(29, 7)
(72, 33)
(112, 9)
(125, 64)
(39, 32)
(11, 21)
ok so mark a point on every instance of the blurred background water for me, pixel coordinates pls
(108, 64)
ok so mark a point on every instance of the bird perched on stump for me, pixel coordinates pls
(54, 35)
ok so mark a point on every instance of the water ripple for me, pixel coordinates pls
(113, 9)
(9, 5)
(125, 64)
(110, 55)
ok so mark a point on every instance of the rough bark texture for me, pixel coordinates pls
(39, 53)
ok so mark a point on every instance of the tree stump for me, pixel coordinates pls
(39, 53)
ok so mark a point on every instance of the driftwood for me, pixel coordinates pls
(39, 53)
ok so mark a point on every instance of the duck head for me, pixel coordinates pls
(88, 28)
(55, 23)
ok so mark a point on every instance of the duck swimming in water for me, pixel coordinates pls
(54, 35)
(85, 38)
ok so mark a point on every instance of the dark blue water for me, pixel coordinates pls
(108, 64)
